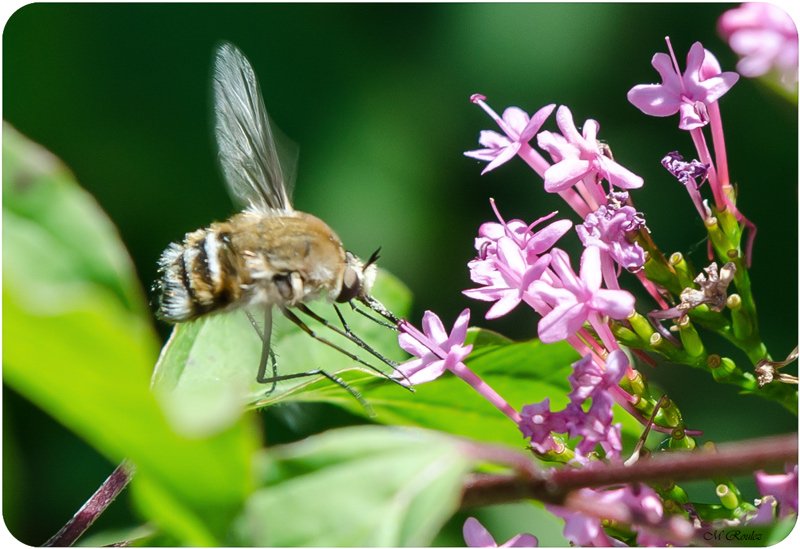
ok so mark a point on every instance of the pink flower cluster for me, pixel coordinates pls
(590, 381)
(636, 504)
(518, 262)
(513, 266)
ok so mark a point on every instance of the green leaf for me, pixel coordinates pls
(206, 373)
(78, 341)
(359, 486)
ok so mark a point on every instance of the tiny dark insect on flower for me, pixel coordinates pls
(269, 255)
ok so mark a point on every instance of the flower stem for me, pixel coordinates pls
(485, 391)
(93, 507)
(730, 460)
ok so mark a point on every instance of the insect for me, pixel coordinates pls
(269, 255)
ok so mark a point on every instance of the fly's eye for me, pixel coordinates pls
(351, 285)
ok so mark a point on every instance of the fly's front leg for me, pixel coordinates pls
(303, 326)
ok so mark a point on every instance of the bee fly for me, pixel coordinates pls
(270, 255)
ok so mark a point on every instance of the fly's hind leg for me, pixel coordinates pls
(267, 353)
(335, 379)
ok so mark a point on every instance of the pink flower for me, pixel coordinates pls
(538, 422)
(607, 228)
(518, 127)
(532, 243)
(578, 156)
(782, 487)
(509, 261)
(475, 535)
(589, 380)
(579, 298)
(436, 351)
(506, 279)
(766, 38)
(636, 504)
(690, 93)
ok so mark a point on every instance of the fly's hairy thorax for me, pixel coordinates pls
(283, 258)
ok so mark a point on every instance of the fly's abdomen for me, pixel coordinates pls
(197, 275)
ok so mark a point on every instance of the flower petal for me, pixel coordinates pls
(619, 176)
(433, 327)
(543, 240)
(485, 294)
(563, 175)
(617, 304)
(536, 122)
(475, 535)
(652, 100)
(412, 346)
(459, 331)
(522, 540)
(429, 372)
(493, 140)
(509, 253)
(561, 265)
(562, 322)
(504, 305)
(505, 155)
(516, 119)
(591, 273)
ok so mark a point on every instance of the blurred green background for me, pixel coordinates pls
(377, 98)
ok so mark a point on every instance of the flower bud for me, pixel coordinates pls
(690, 338)
(683, 269)
(659, 271)
(742, 326)
(723, 369)
(680, 441)
(671, 415)
(718, 238)
(641, 325)
(727, 496)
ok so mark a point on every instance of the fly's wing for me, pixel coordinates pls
(258, 162)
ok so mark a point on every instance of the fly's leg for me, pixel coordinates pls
(369, 316)
(349, 334)
(302, 325)
(335, 379)
(267, 353)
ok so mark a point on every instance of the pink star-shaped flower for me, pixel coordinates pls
(689, 94)
(519, 128)
(577, 156)
(436, 351)
(508, 280)
(579, 297)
